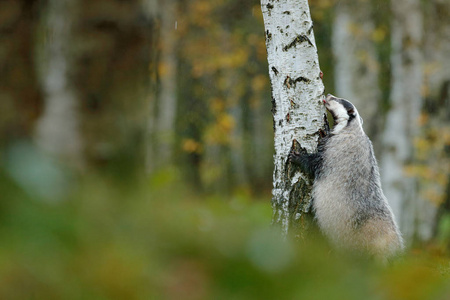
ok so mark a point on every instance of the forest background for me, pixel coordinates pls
(136, 147)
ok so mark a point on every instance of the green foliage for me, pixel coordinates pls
(156, 239)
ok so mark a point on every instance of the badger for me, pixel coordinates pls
(348, 202)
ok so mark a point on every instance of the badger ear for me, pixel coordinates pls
(361, 120)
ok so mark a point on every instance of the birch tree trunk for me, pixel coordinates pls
(402, 119)
(356, 69)
(297, 109)
(58, 130)
(167, 100)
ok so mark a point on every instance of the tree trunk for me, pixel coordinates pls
(260, 143)
(58, 131)
(402, 119)
(437, 108)
(437, 48)
(112, 43)
(150, 8)
(234, 94)
(167, 100)
(297, 90)
(20, 93)
(356, 68)
(237, 154)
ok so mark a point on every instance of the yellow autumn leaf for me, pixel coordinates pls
(226, 122)
(379, 34)
(191, 146)
(259, 82)
(217, 105)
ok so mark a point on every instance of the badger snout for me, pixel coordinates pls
(329, 98)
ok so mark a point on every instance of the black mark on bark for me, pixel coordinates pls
(275, 70)
(274, 107)
(298, 40)
(289, 82)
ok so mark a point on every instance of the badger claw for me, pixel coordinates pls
(326, 124)
(294, 157)
(322, 133)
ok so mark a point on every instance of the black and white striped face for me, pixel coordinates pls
(343, 112)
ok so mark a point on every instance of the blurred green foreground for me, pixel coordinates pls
(132, 237)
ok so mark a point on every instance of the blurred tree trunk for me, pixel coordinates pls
(150, 9)
(58, 129)
(437, 49)
(237, 153)
(20, 93)
(167, 100)
(437, 105)
(402, 120)
(234, 93)
(356, 70)
(260, 144)
(297, 109)
(111, 44)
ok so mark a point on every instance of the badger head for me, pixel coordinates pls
(344, 113)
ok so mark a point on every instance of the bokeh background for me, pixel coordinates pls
(136, 147)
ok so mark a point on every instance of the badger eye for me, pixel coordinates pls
(351, 111)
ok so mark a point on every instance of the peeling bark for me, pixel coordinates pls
(297, 110)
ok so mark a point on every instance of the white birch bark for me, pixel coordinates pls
(402, 119)
(297, 91)
(356, 69)
(57, 131)
(167, 101)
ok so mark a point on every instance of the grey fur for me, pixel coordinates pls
(348, 201)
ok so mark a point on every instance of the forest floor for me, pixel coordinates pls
(157, 239)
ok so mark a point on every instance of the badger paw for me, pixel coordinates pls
(296, 153)
(326, 125)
